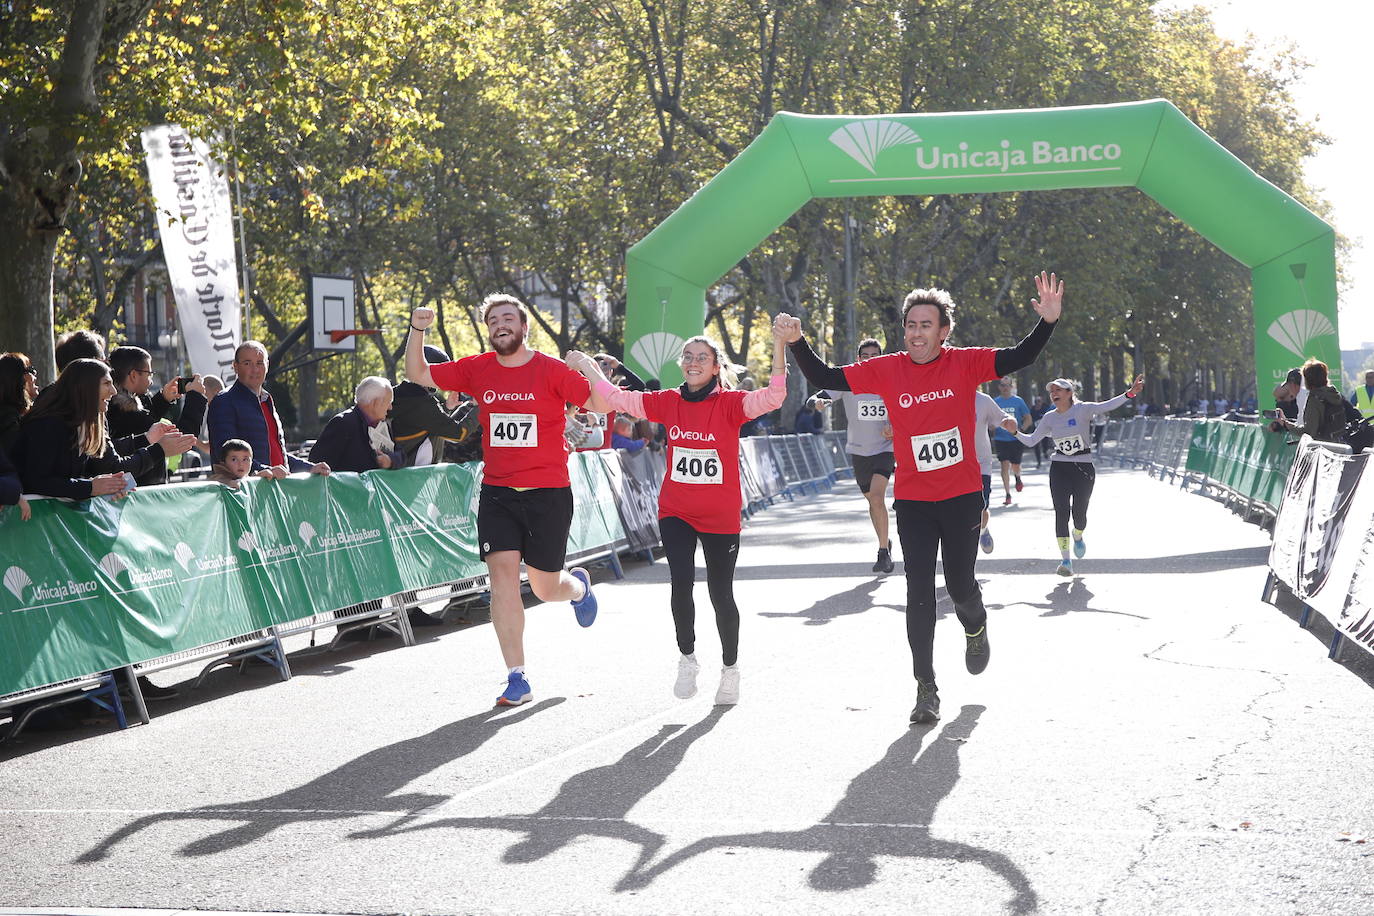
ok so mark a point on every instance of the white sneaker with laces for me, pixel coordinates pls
(728, 693)
(686, 686)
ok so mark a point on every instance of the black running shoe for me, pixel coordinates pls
(884, 564)
(927, 709)
(977, 651)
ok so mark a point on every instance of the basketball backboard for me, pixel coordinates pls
(331, 311)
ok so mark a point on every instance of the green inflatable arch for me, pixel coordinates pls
(1149, 145)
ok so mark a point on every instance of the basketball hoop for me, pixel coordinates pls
(336, 336)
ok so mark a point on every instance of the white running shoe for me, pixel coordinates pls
(686, 686)
(728, 694)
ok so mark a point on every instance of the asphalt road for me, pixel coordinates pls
(1149, 738)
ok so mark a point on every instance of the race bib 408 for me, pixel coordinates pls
(937, 450)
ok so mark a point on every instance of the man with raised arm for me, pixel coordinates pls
(526, 506)
(929, 393)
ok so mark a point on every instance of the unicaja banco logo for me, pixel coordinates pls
(864, 140)
(1296, 329)
(184, 555)
(15, 580)
(307, 533)
(653, 351)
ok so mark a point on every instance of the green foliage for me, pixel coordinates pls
(438, 152)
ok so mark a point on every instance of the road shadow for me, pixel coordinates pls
(856, 600)
(1200, 562)
(364, 785)
(1070, 597)
(593, 803)
(886, 811)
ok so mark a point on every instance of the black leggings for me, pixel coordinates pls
(721, 551)
(1071, 486)
(951, 526)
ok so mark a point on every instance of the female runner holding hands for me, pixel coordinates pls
(700, 499)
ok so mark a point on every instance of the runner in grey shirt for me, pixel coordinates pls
(987, 415)
(1072, 473)
(869, 444)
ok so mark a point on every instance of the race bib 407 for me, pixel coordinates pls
(514, 430)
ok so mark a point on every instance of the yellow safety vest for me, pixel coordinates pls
(1363, 402)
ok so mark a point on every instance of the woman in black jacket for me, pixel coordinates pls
(18, 388)
(64, 446)
(1323, 417)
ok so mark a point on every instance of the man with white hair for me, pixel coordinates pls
(359, 439)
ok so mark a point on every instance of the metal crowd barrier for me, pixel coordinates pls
(1160, 446)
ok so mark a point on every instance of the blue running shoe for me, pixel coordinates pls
(1065, 568)
(584, 607)
(517, 691)
(985, 541)
(1079, 548)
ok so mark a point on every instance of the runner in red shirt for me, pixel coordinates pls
(939, 486)
(700, 497)
(525, 508)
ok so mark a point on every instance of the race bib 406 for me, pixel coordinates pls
(696, 465)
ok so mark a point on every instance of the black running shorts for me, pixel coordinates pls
(535, 522)
(865, 466)
(1008, 451)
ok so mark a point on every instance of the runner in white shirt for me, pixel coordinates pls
(988, 415)
(869, 444)
(1072, 473)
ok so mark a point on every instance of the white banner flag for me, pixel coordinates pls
(191, 194)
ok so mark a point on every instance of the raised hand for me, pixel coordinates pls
(169, 390)
(1050, 290)
(1139, 384)
(786, 328)
(1009, 424)
(422, 318)
(197, 385)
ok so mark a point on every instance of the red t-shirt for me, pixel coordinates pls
(521, 411)
(701, 485)
(930, 407)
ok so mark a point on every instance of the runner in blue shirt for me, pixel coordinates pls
(1008, 449)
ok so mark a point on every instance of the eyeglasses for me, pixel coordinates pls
(701, 359)
(148, 372)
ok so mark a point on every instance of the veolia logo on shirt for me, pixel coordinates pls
(677, 432)
(908, 399)
(491, 397)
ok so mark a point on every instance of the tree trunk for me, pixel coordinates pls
(26, 282)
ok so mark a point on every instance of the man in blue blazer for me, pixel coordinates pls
(245, 411)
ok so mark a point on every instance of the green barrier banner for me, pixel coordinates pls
(175, 570)
(96, 585)
(1149, 145)
(328, 532)
(431, 522)
(596, 522)
(54, 623)
(1245, 458)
